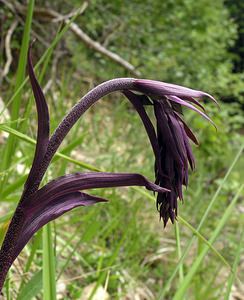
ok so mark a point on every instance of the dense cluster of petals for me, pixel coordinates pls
(170, 139)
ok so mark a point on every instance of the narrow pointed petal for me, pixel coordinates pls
(159, 88)
(190, 99)
(39, 215)
(165, 131)
(177, 133)
(189, 153)
(188, 131)
(188, 105)
(43, 122)
(137, 101)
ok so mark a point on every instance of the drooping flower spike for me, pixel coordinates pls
(169, 141)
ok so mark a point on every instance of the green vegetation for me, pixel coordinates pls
(120, 246)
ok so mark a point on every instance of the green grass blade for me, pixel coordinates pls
(32, 288)
(6, 217)
(193, 230)
(196, 264)
(7, 288)
(22, 61)
(235, 265)
(90, 233)
(202, 238)
(49, 280)
(179, 253)
(212, 202)
(34, 246)
(111, 261)
(31, 141)
(73, 144)
(14, 186)
(8, 153)
(188, 247)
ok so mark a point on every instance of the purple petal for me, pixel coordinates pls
(187, 129)
(188, 149)
(189, 153)
(46, 211)
(160, 88)
(177, 133)
(43, 122)
(184, 103)
(138, 101)
(164, 132)
(176, 129)
(190, 99)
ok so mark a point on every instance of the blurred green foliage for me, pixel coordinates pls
(193, 43)
(185, 42)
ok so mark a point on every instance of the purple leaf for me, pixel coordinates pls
(82, 181)
(62, 195)
(46, 211)
(43, 123)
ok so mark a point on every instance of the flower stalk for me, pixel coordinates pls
(170, 143)
(62, 130)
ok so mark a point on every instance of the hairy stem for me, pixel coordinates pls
(75, 113)
(15, 227)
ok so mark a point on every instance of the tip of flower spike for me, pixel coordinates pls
(212, 98)
(160, 88)
(190, 106)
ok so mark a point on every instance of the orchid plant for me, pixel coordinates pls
(169, 141)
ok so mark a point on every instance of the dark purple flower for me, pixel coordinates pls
(61, 194)
(37, 206)
(170, 139)
(170, 143)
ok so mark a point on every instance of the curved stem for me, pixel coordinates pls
(75, 113)
(7, 249)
